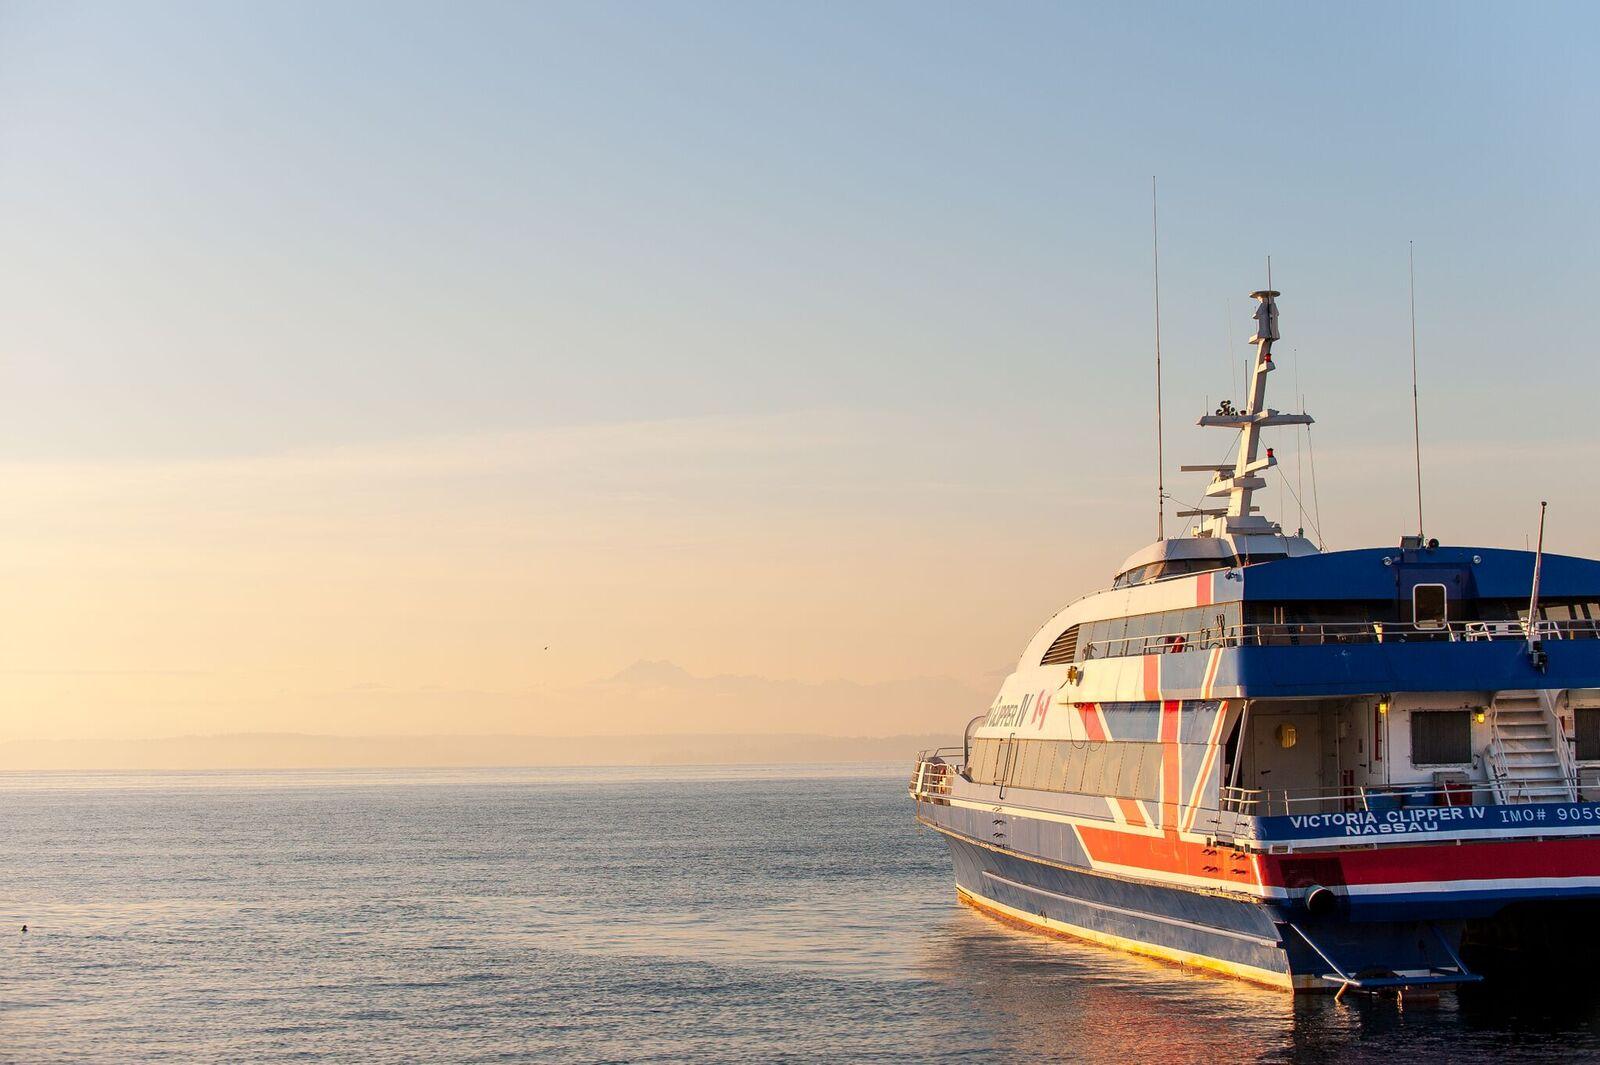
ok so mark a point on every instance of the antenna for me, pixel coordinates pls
(1416, 420)
(1535, 652)
(1233, 370)
(1155, 258)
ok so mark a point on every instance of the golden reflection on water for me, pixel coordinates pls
(1052, 998)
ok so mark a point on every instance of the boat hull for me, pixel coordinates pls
(1223, 935)
(1265, 942)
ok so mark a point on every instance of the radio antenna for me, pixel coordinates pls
(1535, 650)
(1416, 420)
(1155, 259)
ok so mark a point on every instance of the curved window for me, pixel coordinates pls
(1171, 567)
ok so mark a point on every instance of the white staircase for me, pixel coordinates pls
(1528, 756)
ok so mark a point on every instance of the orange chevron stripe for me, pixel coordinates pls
(1212, 747)
(1211, 673)
(1094, 726)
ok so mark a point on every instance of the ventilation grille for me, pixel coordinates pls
(1065, 649)
(1588, 720)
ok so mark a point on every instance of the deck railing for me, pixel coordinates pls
(1270, 802)
(1317, 634)
(931, 778)
(934, 776)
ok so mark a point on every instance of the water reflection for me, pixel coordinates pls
(1050, 999)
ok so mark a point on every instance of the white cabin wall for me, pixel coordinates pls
(1401, 706)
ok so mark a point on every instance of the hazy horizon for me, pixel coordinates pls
(289, 750)
(749, 369)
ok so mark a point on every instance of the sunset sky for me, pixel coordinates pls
(619, 368)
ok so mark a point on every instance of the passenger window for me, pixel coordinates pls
(1093, 762)
(1132, 762)
(1027, 758)
(1044, 777)
(1111, 772)
(983, 761)
(1072, 771)
(1150, 772)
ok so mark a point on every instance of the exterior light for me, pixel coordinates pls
(1478, 717)
(1383, 706)
(1269, 454)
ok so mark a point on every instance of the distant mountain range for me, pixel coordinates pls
(276, 750)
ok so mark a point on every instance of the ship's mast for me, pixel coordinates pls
(1238, 481)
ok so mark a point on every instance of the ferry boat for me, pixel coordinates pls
(1315, 770)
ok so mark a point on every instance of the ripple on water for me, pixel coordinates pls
(631, 915)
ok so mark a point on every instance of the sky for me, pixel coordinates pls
(613, 368)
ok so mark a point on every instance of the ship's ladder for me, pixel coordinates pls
(1527, 756)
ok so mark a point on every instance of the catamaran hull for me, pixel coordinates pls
(1204, 931)
(1278, 944)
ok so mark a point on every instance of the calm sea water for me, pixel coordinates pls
(601, 915)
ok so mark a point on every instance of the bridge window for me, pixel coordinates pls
(1441, 737)
(1128, 769)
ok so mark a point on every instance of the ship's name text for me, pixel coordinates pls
(1387, 822)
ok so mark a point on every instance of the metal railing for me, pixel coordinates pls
(931, 778)
(1317, 634)
(1269, 802)
(934, 775)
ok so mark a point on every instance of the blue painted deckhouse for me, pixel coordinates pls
(1314, 770)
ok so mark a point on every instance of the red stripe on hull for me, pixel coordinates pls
(1479, 860)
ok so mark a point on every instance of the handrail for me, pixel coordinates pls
(1314, 634)
(1265, 802)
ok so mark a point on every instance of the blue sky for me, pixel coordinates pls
(891, 260)
(318, 222)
